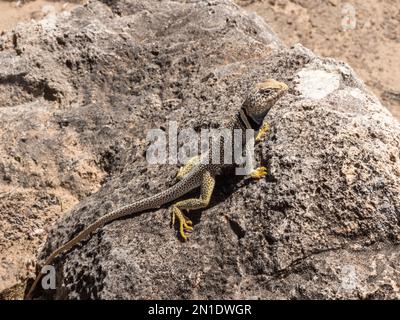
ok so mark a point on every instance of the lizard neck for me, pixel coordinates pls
(241, 120)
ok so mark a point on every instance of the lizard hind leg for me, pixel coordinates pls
(206, 190)
(183, 171)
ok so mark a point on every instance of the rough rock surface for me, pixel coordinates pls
(78, 96)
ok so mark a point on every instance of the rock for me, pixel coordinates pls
(78, 99)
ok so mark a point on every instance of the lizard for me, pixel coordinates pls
(195, 174)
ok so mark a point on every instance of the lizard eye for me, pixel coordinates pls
(266, 91)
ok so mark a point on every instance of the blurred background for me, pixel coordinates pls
(363, 33)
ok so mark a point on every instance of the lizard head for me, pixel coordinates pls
(262, 98)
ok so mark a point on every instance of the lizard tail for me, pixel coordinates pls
(152, 202)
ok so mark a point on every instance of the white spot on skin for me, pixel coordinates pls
(317, 84)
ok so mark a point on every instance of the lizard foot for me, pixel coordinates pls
(259, 173)
(262, 132)
(185, 225)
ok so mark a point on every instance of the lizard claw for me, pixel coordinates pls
(185, 225)
(259, 173)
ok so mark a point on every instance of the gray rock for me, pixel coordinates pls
(86, 89)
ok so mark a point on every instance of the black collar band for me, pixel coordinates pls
(254, 124)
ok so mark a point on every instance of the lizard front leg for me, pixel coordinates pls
(260, 172)
(262, 132)
(206, 190)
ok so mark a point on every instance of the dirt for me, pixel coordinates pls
(12, 12)
(368, 41)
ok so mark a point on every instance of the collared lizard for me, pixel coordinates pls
(194, 174)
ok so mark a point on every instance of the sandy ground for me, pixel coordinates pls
(363, 33)
(12, 12)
